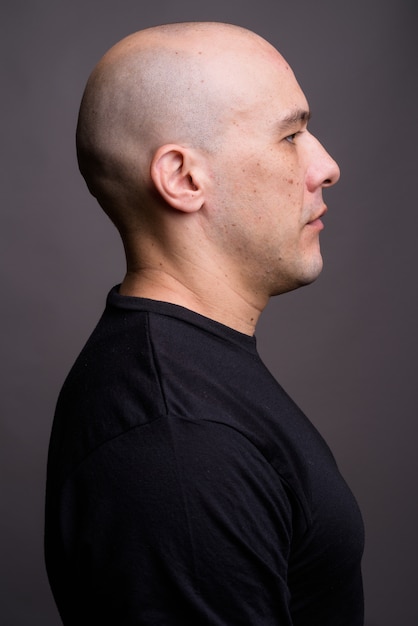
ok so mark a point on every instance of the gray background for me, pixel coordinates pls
(345, 347)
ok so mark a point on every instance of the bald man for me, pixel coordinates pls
(184, 485)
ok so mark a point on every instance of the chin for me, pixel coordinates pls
(313, 273)
(311, 268)
(304, 276)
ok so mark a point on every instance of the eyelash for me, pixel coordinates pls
(291, 138)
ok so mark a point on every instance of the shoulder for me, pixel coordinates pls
(187, 468)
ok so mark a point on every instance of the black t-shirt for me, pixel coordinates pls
(186, 487)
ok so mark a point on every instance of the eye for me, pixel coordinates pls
(291, 138)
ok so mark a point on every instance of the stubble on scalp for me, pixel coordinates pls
(154, 87)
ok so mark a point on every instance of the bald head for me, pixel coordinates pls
(167, 84)
(193, 138)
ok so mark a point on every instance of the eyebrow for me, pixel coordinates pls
(295, 117)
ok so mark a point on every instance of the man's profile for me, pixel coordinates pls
(184, 485)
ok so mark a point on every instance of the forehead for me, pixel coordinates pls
(257, 78)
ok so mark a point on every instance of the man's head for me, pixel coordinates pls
(159, 86)
(193, 137)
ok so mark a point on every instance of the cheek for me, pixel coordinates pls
(285, 180)
(262, 189)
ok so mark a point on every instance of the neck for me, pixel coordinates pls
(206, 295)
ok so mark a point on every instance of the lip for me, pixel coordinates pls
(317, 221)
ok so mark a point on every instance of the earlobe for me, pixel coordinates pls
(175, 176)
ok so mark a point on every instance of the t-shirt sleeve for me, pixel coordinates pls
(179, 522)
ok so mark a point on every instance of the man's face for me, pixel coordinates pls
(269, 173)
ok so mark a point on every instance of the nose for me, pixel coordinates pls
(323, 170)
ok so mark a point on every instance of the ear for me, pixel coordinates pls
(177, 177)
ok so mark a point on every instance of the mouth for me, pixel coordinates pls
(317, 221)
